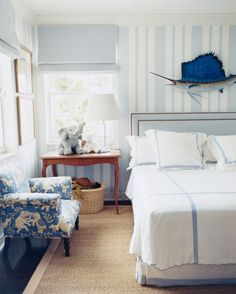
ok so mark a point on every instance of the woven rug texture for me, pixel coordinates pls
(100, 262)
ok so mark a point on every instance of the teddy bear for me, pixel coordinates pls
(70, 140)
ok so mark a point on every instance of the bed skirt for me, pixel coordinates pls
(185, 275)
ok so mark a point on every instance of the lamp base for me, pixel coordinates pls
(104, 149)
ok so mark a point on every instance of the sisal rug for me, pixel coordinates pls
(100, 262)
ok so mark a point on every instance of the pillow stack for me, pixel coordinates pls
(182, 150)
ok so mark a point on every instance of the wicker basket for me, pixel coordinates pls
(92, 200)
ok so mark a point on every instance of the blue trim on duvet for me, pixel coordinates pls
(194, 220)
(183, 166)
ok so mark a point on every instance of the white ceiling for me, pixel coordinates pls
(99, 7)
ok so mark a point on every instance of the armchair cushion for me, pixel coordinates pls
(32, 215)
(69, 212)
(13, 179)
(59, 185)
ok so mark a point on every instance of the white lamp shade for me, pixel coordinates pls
(101, 108)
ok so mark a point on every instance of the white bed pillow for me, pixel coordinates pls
(141, 151)
(208, 157)
(175, 150)
(223, 149)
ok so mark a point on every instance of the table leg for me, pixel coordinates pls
(116, 186)
(54, 170)
(44, 168)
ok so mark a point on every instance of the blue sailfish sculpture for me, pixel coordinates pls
(202, 74)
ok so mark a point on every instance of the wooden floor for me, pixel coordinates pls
(18, 262)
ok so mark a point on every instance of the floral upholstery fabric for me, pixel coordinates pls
(69, 213)
(13, 179)
(43, 210)
(60, 185)
(30, 215)
(36, 215)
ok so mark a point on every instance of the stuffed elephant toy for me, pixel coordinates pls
(70, 140)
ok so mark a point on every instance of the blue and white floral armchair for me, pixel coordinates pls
(37, 208)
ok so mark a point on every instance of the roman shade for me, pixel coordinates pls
(77, 47)
(8, 41)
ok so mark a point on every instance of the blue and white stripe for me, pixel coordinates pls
(194, 219)
(174, 44)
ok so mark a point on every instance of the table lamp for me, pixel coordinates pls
(102, 108)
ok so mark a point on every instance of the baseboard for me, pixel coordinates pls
(120, 202)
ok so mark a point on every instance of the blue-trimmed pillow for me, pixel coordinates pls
(175, 150)
(141, 151)
(224, 150)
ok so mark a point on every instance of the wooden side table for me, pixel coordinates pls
(82, 160)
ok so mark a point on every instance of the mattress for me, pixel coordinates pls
(182, 220)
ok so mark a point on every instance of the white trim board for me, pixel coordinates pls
(132, 19)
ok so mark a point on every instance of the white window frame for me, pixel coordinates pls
(53, 141)
(2, 147)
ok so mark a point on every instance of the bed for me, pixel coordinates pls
(184, 220)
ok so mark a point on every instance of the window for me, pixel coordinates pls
(67, 99)
(4, 74)
(8, 118)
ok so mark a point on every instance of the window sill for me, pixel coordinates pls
(6, 157)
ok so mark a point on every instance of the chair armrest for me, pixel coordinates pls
(30, 214)
(41, 201)
(59, 185)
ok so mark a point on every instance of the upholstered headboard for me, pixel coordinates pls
(215, 123)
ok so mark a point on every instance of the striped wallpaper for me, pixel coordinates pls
(161, 49)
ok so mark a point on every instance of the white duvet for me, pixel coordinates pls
(183, 217)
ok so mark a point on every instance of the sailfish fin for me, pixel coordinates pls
(191, 86)
(191, 95)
